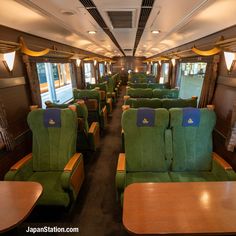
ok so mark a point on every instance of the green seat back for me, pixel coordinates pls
(144, 102)
(139, 93)
(138, 85)
(102, 86)
(165, 93)
(157, 86)
(87, 94)
(174, 103)
(81, 109)
(52, 147)
(145, 146)
(192, 146)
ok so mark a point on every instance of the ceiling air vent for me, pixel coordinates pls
(120, 19)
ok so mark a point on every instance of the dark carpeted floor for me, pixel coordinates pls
(96, 211)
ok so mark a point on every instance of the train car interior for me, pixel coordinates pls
(117, 117)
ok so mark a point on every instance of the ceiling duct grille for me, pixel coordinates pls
(92, 9)
(146, 9)
(87, 3)
(120, 19)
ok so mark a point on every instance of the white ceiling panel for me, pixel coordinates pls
(68, 22)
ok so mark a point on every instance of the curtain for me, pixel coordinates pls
(33, 81)
(6, 139)
(209, 83)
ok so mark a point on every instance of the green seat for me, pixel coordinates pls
(192, 148)
(54, 162)
(103, 89)
(139, 93)
(145, 157)
(165, 93)
(87, 136)
(92, 99)
(144, 102)
(178, 102)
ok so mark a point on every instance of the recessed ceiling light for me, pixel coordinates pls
(92, 32)
(155, 31)
(68, 12)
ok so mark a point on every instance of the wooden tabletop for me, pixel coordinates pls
(180, 208)
(17, 200)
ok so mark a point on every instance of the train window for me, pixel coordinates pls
(88, 73)
(155, 69)
(164, 76)
(190, 79)
(55, 82)
(101, 69)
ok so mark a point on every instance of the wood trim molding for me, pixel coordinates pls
(70, 165)
(121, 162)
(221, 161)
(227, 81)
(11, 82)
(21, 162)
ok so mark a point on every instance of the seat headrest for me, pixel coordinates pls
(145, 117)
(52, 118)
(191, 117)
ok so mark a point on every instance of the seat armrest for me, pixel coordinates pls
(109, 104)
(224, 164)
(121, 173)
(94, 136)
(104, 116)
(126, 97)
(125, 107)
(221, 169)
(73, 175)
(21, 162)
(21, 170)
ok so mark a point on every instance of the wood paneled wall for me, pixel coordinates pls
(16, 97)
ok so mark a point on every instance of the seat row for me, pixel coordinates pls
(169, 146)
(59, 133)
(159, 102)
(147, 85)
(151, 93)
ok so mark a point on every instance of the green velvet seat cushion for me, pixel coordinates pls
(172, 103)
(139, 92)
(52, 147)
(53, 194)
(145, 146)
(193, 176)
(192, 146)
(144, 102)
(165, 93)
(144, 177)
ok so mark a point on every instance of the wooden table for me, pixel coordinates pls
(17, 199)
(180, 208)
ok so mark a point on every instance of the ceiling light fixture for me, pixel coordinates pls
(155, 31)
(68, 12)
(8, 60)
(229, 58)
(92, 32)
(78, 61)
(173, 61)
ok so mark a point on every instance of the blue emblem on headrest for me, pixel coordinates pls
(52, 118)
(191, 117)
(145, 117)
